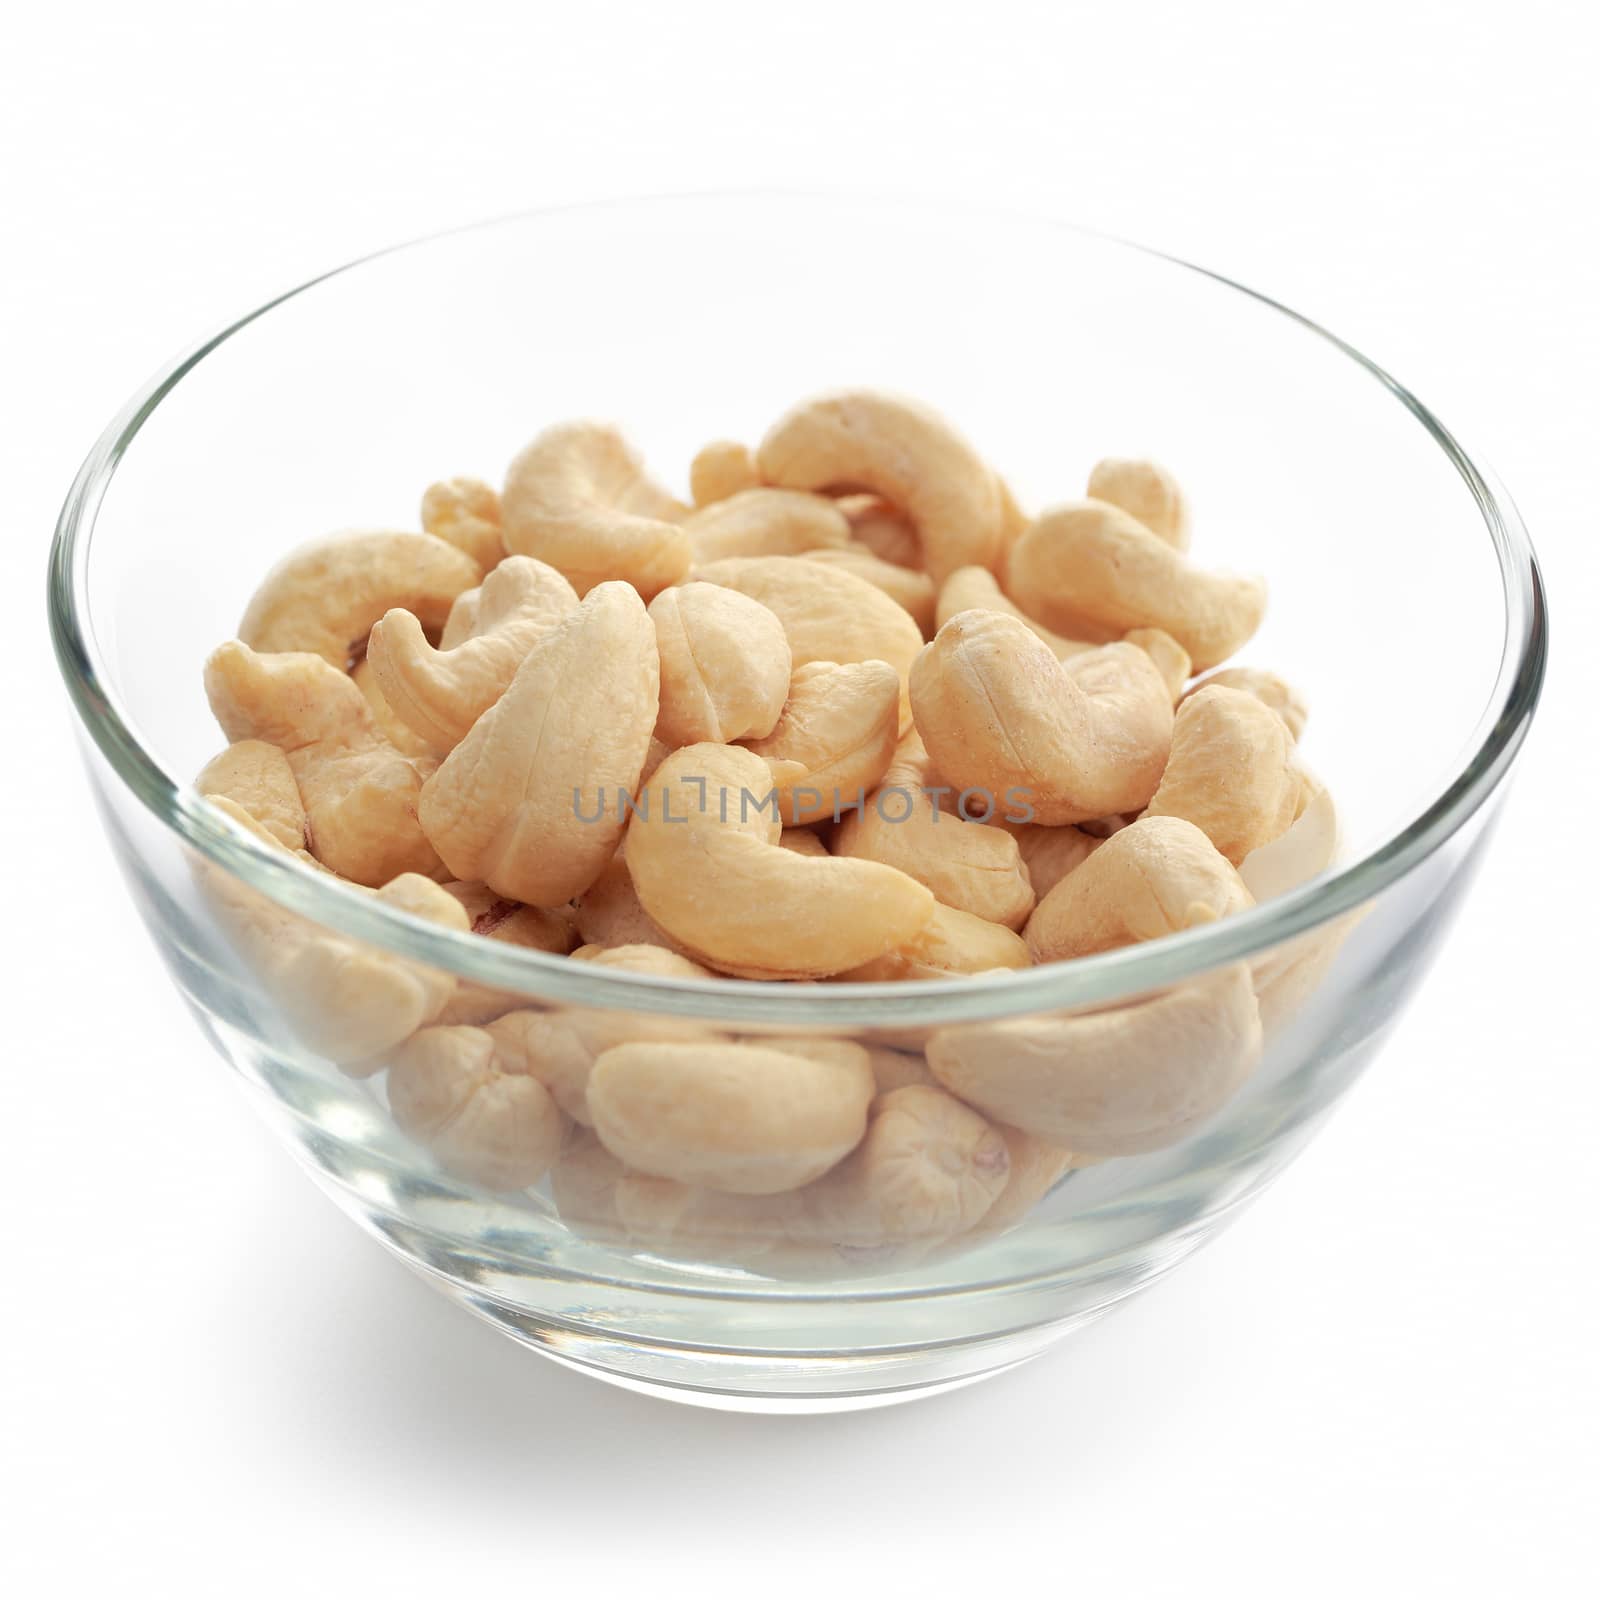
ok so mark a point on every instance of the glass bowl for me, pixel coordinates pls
(1406, 603)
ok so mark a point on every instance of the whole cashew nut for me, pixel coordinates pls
(750, 1118)
(360, 794)
(257, 777)
(1231, 771)
(725, 665)
(1081, 738)
(580, 499)
(1092, 570)
(827, 614)
(532, 801)
(838, 727)
(707, 866)
(1159, 876)
(325, 596)
(968, 865)
(1110, 1083)
(1147, 492)
(765, 522)
(903, 451)
(720, 470)
(439, 694)
(465, 512)
(471, 1101)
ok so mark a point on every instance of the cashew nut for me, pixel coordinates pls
(1309, 845)
(720, 470)
(1110, 1083)
(561, 1047)
(903, 451)
(967, 865)
(1080, 738)
(531, 802)
(466, 513)
(579, 498)
(1171, 659)
(365, 678)
(1049, 854)
(975, 589)
(827, 614)
(1231, 771)
(257, 777)
(1268, 688)
(1036, 1168)
(706, 864)
(724, 665)
(439, 694)
(325, 596)
(950, 942)
(1159, 876)
(1147, 492)
(894, 1069)
(912, 591)
(1091, 570)
(838, 728)
(360, 794)
(765, 522)
(742, 1118)
(470, 1099)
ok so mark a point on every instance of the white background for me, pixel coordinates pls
(1381, 1380)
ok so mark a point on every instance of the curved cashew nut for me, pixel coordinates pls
(838, 727)
(721, 469)
(750, 1118)
(951, 942)
(725, 665)
(561, 1047)
(1110, 1083)
(765, 522)
(968, 865)
(256, 776)
(325, 596)
(928, 1169)
(912, 591)
(903, 451)
(1091, 569)
(465, 512)
(883, 528)
(1231, 771)
(827, 614)
(1268, 688)
(359, 793)
(580, 499)
(1079, 739)
(707, 866)
(1159, 876)
(395, 732)
(439, 694)
(975, 589)
(472, 1102)
(341, 999)
(532, 801)
(1147, 492)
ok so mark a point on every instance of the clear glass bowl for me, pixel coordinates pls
(1405, 602)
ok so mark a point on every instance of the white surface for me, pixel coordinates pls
(1380, 1380)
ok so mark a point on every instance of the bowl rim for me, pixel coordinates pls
(1097, 981)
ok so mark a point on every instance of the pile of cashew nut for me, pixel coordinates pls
(851, 715)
